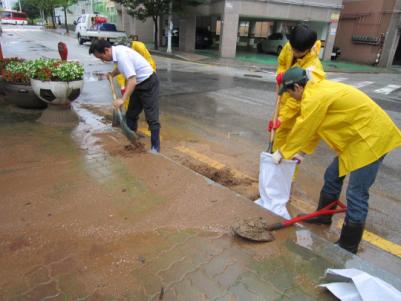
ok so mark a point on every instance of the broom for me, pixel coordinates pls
(130, 134)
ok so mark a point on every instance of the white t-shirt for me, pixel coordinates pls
(131, 63)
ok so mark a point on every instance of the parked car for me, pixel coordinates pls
(92, 26)
(203, 38)
(273, 44)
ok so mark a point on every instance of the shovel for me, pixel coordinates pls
(118, 116)
(273, 131)
(258, 230)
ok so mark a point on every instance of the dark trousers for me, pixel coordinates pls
(145, 97)
(360, 181)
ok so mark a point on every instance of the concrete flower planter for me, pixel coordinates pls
(59, 96)
(57, 93)
(21, 96)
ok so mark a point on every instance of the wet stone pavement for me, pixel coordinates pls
(84, 218)
(79, 221)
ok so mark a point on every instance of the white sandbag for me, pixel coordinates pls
(357, 285)
(275, 184)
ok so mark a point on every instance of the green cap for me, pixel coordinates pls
(292, 76)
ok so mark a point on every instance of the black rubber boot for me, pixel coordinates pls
(351, 236)
(155, 141)
(323, 219)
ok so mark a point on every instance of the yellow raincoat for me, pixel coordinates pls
(289, 107)
(351, 123)
(142, 50)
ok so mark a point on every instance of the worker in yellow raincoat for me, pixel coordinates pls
(359, 132)
(302, 50)
(142, 50)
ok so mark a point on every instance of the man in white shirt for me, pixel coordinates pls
(142, 86)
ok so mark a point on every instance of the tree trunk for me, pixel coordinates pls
(53, 17)
(65, 20)
(156, 33)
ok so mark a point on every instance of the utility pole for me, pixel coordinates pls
(19, 2)
(170, 26)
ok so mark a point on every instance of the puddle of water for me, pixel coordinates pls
(93, 76)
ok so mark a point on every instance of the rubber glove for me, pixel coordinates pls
(279, 78)
(277, 157)
(299, 157)
(273, 124)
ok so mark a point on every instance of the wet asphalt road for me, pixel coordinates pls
(227, 100)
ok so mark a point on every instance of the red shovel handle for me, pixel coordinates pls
(324, 211)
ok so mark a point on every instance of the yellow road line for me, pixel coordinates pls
(378, 241)
(210, 162)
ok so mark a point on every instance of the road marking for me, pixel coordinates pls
(377, 241)
(382, 243)
(339, 79)
(241, 98)
(387, 89)
(210, 162)
(362, 84)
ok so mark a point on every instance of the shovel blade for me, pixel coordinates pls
(253, 229)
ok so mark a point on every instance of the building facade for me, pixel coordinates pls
(369, 32)
(226, 18)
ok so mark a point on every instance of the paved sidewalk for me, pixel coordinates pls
(84, 218)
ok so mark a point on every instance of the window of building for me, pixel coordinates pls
(243, 28)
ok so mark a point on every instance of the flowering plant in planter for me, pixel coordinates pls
(16, 72)
(5, 61)
(55, 70)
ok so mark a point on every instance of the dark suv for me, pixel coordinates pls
(203, 38)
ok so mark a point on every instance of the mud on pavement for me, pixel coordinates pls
(78, 223)
(224, 176)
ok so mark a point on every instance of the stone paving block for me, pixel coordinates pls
(230, 275)
(41, 291)
(259, 287)
(195, 248)
(59, 297)
(163, 262)
(177, 271)
(206, 285)
(242, 293)
(150, 282)
(72, 287)
(36, 277)
(217, 265)
(185, 290)
(228, 297)
(64, 266)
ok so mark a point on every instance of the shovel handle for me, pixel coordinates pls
(273, 130)
(113, 89)
(276, 226)
(116, 112)
(324, 211)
